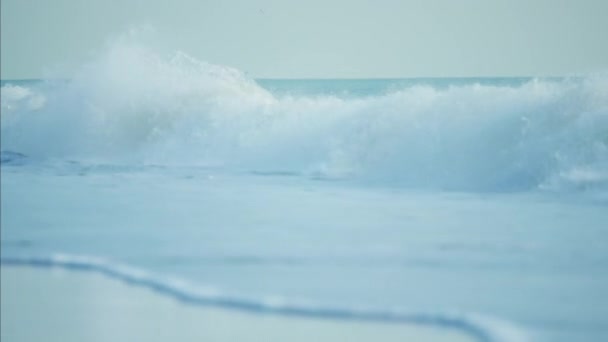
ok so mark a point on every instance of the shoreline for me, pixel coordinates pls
(59, 304)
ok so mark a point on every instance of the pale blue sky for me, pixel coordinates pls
(319, 38)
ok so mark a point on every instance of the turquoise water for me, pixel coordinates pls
(478, 200)
(352, 88)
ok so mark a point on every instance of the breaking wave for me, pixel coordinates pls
(133, 105)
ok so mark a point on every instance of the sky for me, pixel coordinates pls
(318, 38)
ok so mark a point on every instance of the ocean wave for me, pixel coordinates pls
(482, 327)
(133, 105)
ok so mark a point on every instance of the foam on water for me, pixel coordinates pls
(133, 105)
(483, 328)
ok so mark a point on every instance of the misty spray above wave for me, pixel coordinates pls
(133, 105)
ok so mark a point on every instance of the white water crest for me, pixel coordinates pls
(136, 106)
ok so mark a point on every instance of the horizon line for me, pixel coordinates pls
(26, 79)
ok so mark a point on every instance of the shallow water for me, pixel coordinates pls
(527, 258)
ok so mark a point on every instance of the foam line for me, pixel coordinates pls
(483, 328)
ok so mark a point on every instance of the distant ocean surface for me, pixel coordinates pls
(479, 202)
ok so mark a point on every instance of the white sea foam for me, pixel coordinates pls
(16, 97)
(134, 105)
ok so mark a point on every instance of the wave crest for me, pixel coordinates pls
(134, 105)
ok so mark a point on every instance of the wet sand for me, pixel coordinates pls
(39, 304)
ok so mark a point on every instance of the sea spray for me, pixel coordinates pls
(136, 106)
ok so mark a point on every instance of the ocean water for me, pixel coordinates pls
(480, 203)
